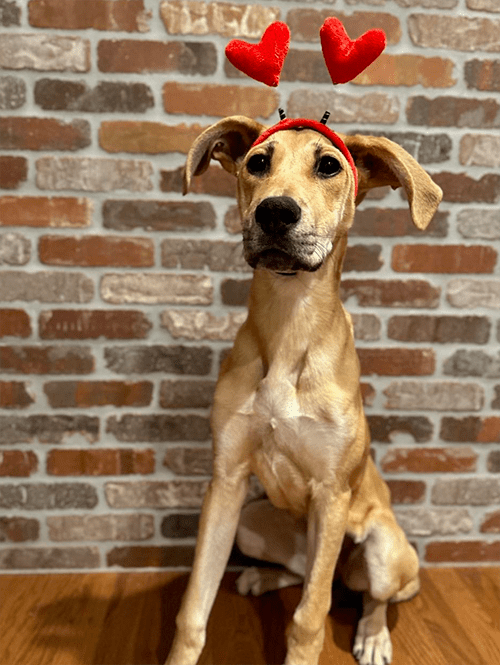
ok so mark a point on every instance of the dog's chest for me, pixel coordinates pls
(294, 447)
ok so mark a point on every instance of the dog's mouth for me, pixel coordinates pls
(280, 261)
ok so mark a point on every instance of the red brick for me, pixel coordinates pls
(96, 251)
(406, 491)
(13, 171)
(429, 460)
(19, 133)
(215, 181)
(46, 360)
(141, 136)
(38, 558)
(100, 462)
(14, 395)
(136, 56)
(491, 523)
(84, 394)
(397, 362)
(124, 15)
(471, 429)
(41, 211)
(483, 74)
(92, 324)
(305, 24)
(219, 100)
(462, 188)
(391, 293)
(408, 70)
(468, 551)
(444, 258)
(18, 529)
(392, 222)
(18, 463)
(14, 323)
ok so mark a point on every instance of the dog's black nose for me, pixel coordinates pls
(277, 213)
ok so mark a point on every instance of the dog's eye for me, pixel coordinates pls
(328, 166)
(258, 164)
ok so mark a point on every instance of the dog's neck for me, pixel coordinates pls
(288, 313)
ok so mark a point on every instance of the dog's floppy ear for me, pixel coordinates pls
(227, 141)
(381, 162)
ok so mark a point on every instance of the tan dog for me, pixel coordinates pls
(288, 404)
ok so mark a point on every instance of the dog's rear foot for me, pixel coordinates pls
(260, 580)
(373, 649)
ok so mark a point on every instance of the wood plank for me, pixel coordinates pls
(128, 618)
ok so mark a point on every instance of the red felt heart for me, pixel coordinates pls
(263, 61)
(344, 57)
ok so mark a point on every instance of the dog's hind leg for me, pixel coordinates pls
(273, 535)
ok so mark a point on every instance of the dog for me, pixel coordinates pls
(288, 405)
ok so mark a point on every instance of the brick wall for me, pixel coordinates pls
(118, 296)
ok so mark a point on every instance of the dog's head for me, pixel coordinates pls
(297, 189)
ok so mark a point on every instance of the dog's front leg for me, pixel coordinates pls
(218, 522)
(326, 527)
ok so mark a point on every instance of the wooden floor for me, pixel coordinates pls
(118, 618)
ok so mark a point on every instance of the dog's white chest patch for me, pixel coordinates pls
(294, 447)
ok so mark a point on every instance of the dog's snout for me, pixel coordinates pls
(276, 213)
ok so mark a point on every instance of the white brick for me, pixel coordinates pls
(472, 293)
(198, 324)
(157, 288)
(44, 52)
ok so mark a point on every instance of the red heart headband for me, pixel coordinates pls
(344, 58)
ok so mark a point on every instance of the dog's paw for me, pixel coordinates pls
(373, 649)
(250, 580)
(261, 580)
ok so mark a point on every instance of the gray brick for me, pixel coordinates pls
(167, 359)
(180, 525)
(51, 428)
(105, 97)
(466, 491)
(159, 428)
(158, 215)
(156, 494)
(47, 287)
(39, 496)
(100, 527)
(35, 558)
(10, 13)
(472, 363)
(12, 93)
(93, 175)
